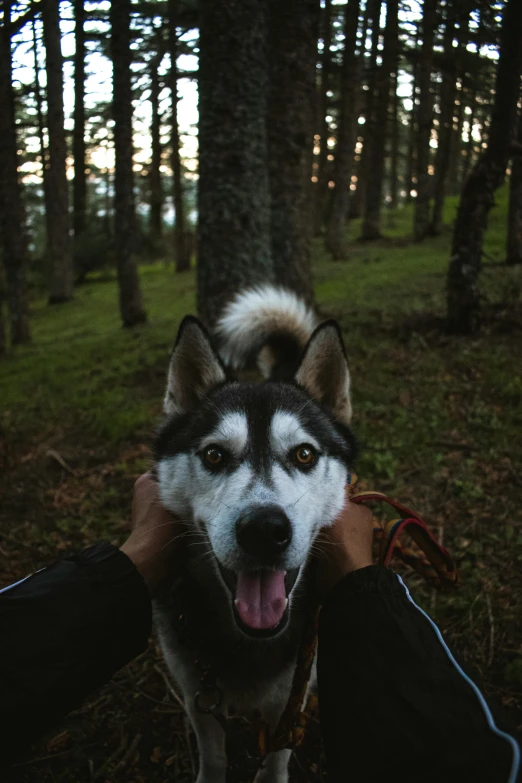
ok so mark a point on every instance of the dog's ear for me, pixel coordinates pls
(195, 368)
(324, 372)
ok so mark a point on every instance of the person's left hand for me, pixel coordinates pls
(155, 532)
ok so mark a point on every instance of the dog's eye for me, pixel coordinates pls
(305, 455)
(213, 456)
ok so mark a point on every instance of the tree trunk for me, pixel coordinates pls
(487, 175)
(80, 177)
(371, 227)
(58, 240)
(321, 186)
(421, 216)
(454, 178)
(41, 133)
(155, 185)
(368, 98)
(445, 131)
(347, 134)
(12, 233)
(410, 178)
(234, 203)
(131, 307)
(293, 33)
(470, 144)
(514, 226)
(181, 247)
(394, 151)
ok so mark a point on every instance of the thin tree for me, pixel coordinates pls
(445, 127)
(80, 176)
(321, 186)
(410, 177)
(421, 215)
(59, 246)
(514, 226)
(155, 183)
(347, 134)
(293, 33)
(233, 197)
(486, 176)
(371, 227)
(12, 233)
(44, 158)
(367, 91)
(394, 137)
(131, 307)
(181, 247)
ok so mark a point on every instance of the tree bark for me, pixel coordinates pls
(347, 134)
(410, 178)
(447, 107)
(371, 227)
(234, 202)
(58, 224)
(80, 176)
(12, 230)
(487, 175)
(181, 246)
(514, 226)
(368, 102)
(421, 216)
(155, 185)
(321, 186)
(454, 178)
(131, 307)
(44, 161)
(394, 140)
(470, 143)
(293, 33)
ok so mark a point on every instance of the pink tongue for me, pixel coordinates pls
(261, 598)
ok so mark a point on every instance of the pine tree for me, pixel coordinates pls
(347, 135)
(12, 233)
(233, 197)
(131, 307)
(487, 175)
(59, 246)
(293, 32)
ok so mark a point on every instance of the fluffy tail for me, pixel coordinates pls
(266, 325)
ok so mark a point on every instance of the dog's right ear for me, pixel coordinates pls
(324, 372)
(195, 368)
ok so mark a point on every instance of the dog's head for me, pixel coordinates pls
(255, 470)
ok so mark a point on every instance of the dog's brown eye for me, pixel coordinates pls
(305, 455)
(213, 455)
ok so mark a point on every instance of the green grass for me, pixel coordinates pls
(439, 419)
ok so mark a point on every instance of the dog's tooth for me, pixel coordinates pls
(286, 603)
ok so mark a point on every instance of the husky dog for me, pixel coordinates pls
(254, 471)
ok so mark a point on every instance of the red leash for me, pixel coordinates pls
(434, 563)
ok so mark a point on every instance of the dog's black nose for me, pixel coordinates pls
(264, 532)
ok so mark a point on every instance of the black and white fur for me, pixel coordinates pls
(258, 426)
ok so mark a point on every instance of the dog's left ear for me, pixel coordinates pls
(324, 372)
(195, 368)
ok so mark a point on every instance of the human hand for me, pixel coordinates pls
(345, 546)
(154, 533)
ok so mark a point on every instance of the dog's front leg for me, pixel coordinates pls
(211, 747)
(275, 768)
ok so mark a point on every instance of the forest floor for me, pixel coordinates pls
(439, 418)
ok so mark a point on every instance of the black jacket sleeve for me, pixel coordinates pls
(64, 631)
(394, 703)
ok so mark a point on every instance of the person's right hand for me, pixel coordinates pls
(345, 546)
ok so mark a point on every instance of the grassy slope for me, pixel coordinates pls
(439, 418)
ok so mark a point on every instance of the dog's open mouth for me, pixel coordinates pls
(260, 599)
